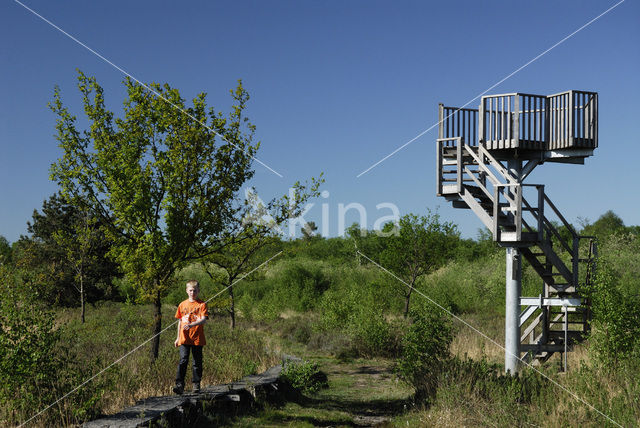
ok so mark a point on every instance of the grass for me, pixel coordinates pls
(469, 344)
(113, 329)
(361, 391)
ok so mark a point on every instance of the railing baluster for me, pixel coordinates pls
(528, 137)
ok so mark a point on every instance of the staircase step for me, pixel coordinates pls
(460, 204)
(475, 190)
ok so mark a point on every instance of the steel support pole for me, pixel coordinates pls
(513, 288)
(512, 311)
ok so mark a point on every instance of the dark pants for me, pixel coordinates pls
(196, 351)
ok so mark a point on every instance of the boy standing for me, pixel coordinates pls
(192, 314)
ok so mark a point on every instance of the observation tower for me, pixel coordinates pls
(484, 156)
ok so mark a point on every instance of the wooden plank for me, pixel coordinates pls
(542, 347)
(551, 301)
(483, 152)
(477, 209)
(571, 117)
(439, 165)
(555, 124)
(540, 211)
(473, 140)
(528, 137)
(480, 184)
(502, 130)
(494, 110)
(440, 119)
(459, 142)
(524, 315)
(535, 119)
(481, 118)
(510, 119)
(516, 125)
(535, 323)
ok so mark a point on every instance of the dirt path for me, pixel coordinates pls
(361, 393)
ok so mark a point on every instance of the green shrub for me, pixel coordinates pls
(357, 309)
(425, 350)
(304, 376)
(301, 286)
(616, 320)
(36, 365)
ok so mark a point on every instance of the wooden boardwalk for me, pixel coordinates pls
(186, 409)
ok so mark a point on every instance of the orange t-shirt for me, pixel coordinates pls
(189, 312)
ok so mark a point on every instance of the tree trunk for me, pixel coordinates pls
(232, 308)
(157, 327)
(407, 297)
(81, 298)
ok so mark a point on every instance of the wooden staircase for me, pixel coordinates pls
(522, 215)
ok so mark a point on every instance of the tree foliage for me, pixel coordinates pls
(44, 256)
(420, 245)
(5, 251)
(615, 321)
(425, 350)
(165, 177)
(607, 224)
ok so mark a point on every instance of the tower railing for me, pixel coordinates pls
(565, 120)
(573, 120)
(458, 122)
(513, 121)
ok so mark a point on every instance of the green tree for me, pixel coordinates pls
(5, 251)
(367, 242)
(237, 259)
(43, 257)
(253, 231)
(165, 177)
(77, 245)
(420, 245)
(607, 224)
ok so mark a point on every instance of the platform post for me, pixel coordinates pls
(512, 311)
(513, 289)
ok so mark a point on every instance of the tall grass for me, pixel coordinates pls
(114, 329)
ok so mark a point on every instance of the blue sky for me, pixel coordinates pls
(335, 87)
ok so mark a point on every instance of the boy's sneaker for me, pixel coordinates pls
(196, 387)
(178, 389)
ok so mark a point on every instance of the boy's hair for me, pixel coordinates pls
(193, 283)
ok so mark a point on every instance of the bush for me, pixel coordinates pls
(425, 350)
(35, 365)
(616, 321)
(304, 376)
(357, 309)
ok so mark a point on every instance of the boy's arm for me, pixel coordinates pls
(178, 336)
(201, 320)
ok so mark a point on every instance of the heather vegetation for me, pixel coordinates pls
(324, 296)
